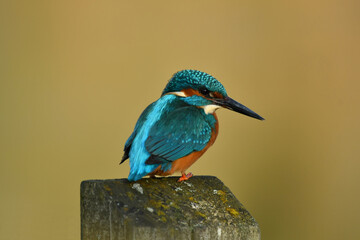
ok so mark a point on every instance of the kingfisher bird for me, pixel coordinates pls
(178, 128)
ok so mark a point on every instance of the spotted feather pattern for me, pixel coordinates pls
(195, 80)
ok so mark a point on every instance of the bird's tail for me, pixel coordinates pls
(126, 156)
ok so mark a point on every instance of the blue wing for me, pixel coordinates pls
(139, 123)
(176, 135)
(167, 130)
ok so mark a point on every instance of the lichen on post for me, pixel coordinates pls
(161, 208)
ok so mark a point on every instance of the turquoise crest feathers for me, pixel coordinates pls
(194, 79)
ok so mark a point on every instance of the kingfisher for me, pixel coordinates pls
(177, 129)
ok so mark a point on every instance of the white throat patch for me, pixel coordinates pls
(210, 108)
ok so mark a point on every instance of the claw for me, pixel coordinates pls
(185, 177)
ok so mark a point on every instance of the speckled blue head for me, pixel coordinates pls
(203, 90)
(193, 79)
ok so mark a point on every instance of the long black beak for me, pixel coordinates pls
(233, 105)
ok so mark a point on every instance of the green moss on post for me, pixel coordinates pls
(161, 208)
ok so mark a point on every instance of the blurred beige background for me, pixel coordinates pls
(75, 76)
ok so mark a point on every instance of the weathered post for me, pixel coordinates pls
(161, 208)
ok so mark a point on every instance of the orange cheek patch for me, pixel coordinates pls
(190, 92)
(218, 95)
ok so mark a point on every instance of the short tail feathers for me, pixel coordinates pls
(126, 153)
(126, 156)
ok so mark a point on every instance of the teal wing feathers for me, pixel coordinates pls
(167, 130)
(177, 134)
(139, 123)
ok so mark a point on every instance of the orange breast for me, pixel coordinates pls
(182, 164)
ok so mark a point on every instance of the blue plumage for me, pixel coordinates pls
(178, 124)
(195, 80)
(168, 129)
(179, 133)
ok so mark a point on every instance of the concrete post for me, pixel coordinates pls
(161, 208)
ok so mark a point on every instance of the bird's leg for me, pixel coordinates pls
(185, 176)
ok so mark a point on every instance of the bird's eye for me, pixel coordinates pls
(204, 91)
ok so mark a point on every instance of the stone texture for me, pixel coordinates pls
(161, 208)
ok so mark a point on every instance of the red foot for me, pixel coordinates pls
(185, 177)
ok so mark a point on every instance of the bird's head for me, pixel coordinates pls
(203, 90)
